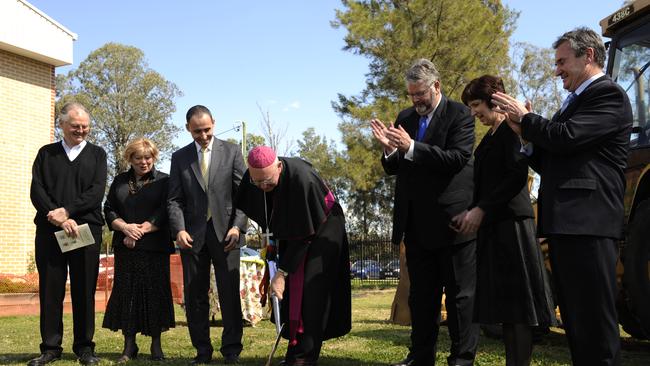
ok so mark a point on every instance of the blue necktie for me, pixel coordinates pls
(568, 101)
(422, 128)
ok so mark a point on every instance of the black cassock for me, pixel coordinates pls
(309, 225)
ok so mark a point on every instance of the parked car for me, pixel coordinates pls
(390, 270)
(366, 269)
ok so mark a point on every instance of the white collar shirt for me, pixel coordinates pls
(73, 151)
(199, 151)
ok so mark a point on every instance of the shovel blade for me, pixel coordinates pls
(275, 346)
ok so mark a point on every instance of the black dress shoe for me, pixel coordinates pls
(408, 361)
(231, 359)
(88, 358)
(201, 360)
(303, 362)
(125, 359)
(157, 353)
(128, 356)
(43, 359)
(160, 357)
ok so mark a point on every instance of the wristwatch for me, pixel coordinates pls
(283, 272)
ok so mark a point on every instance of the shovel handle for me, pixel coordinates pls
(276, 313)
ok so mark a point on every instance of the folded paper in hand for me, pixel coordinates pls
(68, 243)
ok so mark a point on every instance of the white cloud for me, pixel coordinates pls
(293, 105)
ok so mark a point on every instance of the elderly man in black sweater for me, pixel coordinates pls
(68, 184)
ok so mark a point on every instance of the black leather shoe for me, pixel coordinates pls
(125, 358)
(158, 357)
(157, 353)
(231, 359)
(303, 362)
(408, 361)
(201, 360)
(88, 358)
(43, 359)
(128, 356)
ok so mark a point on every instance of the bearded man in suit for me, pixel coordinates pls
(429, 149)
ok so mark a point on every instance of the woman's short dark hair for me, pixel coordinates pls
(482, 88)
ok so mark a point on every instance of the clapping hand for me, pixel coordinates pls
(379, 132)
(399, 138)
(510, 106)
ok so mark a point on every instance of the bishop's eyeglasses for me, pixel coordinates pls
(261, 182)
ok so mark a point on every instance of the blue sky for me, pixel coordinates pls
(283, 55)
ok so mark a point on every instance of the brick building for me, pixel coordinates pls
(32, 45)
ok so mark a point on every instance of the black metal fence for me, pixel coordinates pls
(374, 259)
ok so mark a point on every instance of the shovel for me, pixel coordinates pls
(278, 327)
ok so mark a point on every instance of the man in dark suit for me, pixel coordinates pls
(68, 183)
(581, 155)
(429, 149)
(203, 181)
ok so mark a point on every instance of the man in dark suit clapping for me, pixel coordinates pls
(203, 181)
(429, 149)
(581, 155)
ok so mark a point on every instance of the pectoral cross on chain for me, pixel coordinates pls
(267, 236)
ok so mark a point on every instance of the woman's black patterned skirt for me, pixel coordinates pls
(141, 300)
(512, 285)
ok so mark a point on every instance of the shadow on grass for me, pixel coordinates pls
(551, 348)
(214, 322)
(343, 361)
(380, 322)
(392, 336)
(16, 358)
(110, 358)
(635, 345)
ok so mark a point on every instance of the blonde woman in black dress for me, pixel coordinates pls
(135, 209)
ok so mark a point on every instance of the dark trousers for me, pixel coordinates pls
(196, 282)
(83, 264)
(584, 271)
(452, 269)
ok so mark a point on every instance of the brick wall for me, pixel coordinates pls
(27, 90)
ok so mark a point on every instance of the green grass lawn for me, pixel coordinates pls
(372, 341)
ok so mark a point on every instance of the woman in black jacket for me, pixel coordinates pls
(141, 300)
(512, 286)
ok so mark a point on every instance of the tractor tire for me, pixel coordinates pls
(636, 276)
